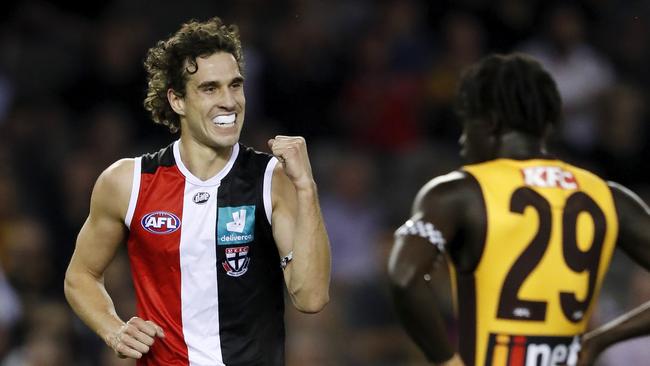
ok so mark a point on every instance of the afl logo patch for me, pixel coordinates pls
(160, 222)
(201, 198)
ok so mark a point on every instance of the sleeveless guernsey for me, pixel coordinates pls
(551, 230)
(204, 263)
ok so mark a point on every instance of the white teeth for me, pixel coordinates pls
(224, 119)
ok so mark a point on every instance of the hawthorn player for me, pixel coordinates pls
(528, 237)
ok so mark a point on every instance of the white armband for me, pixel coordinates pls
(424, 230)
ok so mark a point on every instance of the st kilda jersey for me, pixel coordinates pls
(204, 263)
(551, 231)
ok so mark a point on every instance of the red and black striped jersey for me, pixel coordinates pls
(204, 262)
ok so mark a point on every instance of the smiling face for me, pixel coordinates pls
(212, 109)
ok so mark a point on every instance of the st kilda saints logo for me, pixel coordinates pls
(237, 261)
(160, 222)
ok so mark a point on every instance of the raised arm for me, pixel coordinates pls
(100, 237)
(421, 246)
(298, 227)
(634, 240)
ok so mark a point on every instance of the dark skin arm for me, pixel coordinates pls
(634, 224)
(446, 203)
(634, 240)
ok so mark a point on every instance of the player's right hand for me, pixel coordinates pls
(135, 338)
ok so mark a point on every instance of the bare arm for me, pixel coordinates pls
(414, 256)
(634, 224)
(632, 324)
(97, 242)
(298, 226)
(417, 308)
(634, 240)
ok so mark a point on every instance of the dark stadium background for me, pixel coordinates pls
(368, 83)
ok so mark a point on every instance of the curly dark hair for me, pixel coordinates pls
(515, 90)
(171, 61)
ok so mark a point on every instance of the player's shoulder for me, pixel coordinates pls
(250, 152)
(453, 190)
(446, 180)
(164, 157)
(453, 181)
(112, 190)
(115, 181)
(624, 197)
(619, 192)
(118, 171)
(253, 160)
(583, 172)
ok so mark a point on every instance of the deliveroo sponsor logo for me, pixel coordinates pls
(235, 225)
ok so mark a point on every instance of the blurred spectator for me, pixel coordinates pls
(40, 31)
(6, 97)
(119, 285)
(8, 201)
(10, 309)
(512, 22)
(316, 340)
(28, 260)
(581, 72)
(462, 45)
(113, 66)
(635, 351)
(379, 107)
(623, 134)
(408, 44)
(10, 312)
(109, 134)
(352, 218)
(627, 36)
(301, 56)
(109, 358)
(48, 340)
(37, 133)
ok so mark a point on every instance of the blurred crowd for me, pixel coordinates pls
(370, 84)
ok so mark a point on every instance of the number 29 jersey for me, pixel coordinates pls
(551, 231)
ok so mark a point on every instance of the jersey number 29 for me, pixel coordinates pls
(576, 259)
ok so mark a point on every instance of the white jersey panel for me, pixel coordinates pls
(267, 188)
(198, 263)
(135, 190)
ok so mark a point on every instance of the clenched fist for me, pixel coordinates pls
(292, 153)
(135, 338)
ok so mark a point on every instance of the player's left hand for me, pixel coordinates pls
(292, 153)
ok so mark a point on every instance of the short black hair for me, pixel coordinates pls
(514, 90)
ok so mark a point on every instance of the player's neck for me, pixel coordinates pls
(204, 162)
(521, 146)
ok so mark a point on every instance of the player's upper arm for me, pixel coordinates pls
(634, 224)
(285, 206)
(435, 218)
(104, 229)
